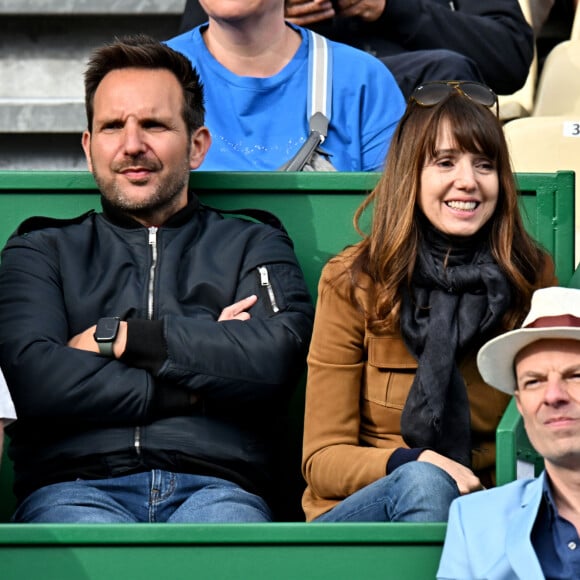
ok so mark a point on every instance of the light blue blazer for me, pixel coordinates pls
(488, 535)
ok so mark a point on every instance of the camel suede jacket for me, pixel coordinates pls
(358, 382)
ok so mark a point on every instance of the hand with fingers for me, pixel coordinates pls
(238, 310)
(465, 479)
(305, 12)
(367, 10)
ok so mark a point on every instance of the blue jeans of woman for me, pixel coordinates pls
(415, 492)
(152, 496)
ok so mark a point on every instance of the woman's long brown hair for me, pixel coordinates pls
(387, 254)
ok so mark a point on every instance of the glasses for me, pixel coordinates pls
(432, 93)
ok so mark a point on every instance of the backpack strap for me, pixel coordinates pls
(319, 104)
(319, 82)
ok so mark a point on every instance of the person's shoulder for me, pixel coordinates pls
(341, 261)
(353, 67)
(547, 274)
(254, 231)
(492, 8)
(336, 272)
(187, 39)
(345, 53)
(41, 223)
(245, 219)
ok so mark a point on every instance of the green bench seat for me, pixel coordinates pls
(317, 210)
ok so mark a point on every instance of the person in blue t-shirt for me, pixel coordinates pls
(254, 66)
(423, 40)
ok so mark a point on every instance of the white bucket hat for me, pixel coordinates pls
(555, 313)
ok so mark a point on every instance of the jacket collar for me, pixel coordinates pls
(120, 218)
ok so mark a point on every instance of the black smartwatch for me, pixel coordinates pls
(106, 333)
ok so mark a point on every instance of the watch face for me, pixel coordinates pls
(107, 329)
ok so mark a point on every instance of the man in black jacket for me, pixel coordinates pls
(422, 40)
(150, 348)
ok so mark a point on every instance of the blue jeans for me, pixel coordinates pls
(414, 492)
(153, 496)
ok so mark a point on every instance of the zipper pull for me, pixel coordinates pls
(265, 283)
(137, 441)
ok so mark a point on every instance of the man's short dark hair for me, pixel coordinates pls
(142, 51)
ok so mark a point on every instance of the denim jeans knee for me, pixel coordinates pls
(415, 492)
(154, 496)
(424, 493)
(72, 502)
(220, 501)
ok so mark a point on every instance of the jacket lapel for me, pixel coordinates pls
(519, 549)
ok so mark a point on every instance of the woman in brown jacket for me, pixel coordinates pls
(398, 421)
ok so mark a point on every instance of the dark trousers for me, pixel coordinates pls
(414, 68)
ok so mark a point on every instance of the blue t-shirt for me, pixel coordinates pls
(258, 124)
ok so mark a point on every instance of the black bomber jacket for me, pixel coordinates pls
(190, 394)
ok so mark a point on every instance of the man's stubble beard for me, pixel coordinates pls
(166, 195)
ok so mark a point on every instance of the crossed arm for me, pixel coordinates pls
(85, 340)
(226, 356)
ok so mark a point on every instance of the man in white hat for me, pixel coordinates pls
(529, 528)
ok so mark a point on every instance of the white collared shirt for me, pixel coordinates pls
(7, 411)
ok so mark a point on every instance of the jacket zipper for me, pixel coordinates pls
(152, 270)
(150, 306)
(137, 441)
(265, 283)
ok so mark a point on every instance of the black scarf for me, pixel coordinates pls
(459, 295)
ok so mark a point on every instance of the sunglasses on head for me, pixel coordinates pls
(432, 93)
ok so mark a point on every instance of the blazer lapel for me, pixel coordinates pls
(519, 549)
